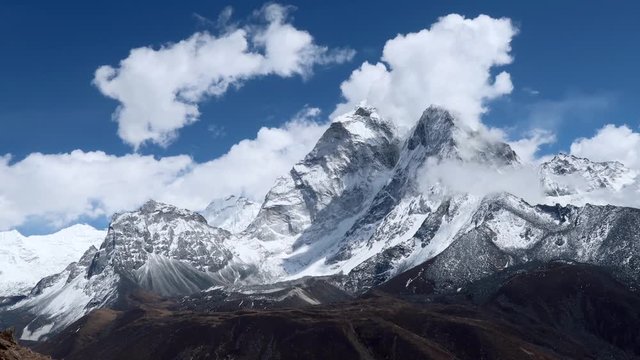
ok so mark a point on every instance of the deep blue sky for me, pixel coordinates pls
(573, 53)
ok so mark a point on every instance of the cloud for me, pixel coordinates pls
(448, 64)
(217, 131)
(611, 142)
(159, 89)
(522, 181)
(528, 147)
(250, 167)
(58, 189)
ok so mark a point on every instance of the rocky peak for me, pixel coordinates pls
(154, 211)
(567, 174)
(439, 134)
(163, 230)
(343, 169)
(435, 131)
(346, 133)
(566, 163)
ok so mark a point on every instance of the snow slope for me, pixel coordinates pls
(24, 260)
(233, 213)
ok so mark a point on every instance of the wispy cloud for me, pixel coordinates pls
(551, 114)
(217, 131)
(528, 147)
(530, 91)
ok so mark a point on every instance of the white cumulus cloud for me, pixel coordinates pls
(611, 142)
(159, 89)
(448, 64)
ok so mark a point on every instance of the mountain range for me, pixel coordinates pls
(369, 219)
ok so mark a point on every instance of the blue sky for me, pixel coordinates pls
(575, 68)
(51, 50)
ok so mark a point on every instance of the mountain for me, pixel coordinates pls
(358, 193)
(363, 210)
(569, 175)
(24, 260)
(506, 231)
(159, 248)
(383, 242)
(233, 213)
(306, 213)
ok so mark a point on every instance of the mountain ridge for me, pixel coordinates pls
(356, 211)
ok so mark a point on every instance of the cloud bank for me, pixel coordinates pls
(610, 143)
(159, 89)
(59, 189)
(522, 181)
(448, 64)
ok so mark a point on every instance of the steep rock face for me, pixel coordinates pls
(159, 247)
(382, 242)
(11, 350)
(567, 175)
(308, 211)
(233, 213)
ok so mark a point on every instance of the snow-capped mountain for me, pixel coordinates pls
(307, 212)
(24, 260)
(357, 208)
(402, 205)
(159, 248)
(569, 175)
(505, 231)
(233, 213)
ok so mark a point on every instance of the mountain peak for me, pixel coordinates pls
(151, 206)
(361, 124)
(364, 110)
(347, 133)
(576, 161)
(567, 174)
(441, 135)
(435, 131)
(158, 211)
